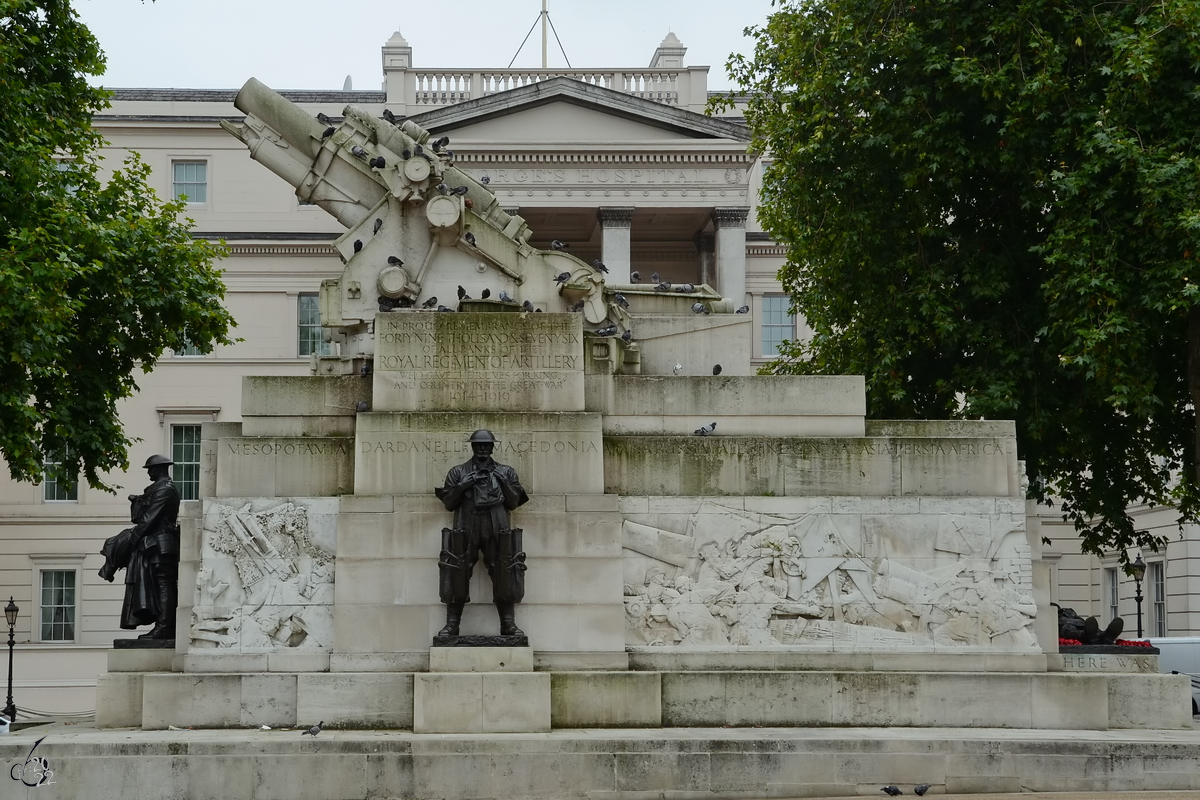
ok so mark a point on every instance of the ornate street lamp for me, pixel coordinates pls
(1138, 570)
(10, 616)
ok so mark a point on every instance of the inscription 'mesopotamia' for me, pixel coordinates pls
(269, 448)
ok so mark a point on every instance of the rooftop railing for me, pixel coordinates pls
(431, 88)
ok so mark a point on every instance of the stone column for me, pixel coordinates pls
(615, 222)
(730, 252)
(705, 248)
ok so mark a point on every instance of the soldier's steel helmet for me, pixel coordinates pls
(482, 436)
(156, 460)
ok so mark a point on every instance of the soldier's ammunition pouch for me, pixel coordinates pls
(454, 565)
(508, 574)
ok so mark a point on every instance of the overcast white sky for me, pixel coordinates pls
(304, 44)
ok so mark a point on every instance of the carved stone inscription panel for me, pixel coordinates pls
(452, 362)
(711, 574)
(266, 575)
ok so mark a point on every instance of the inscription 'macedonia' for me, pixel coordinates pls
(761, 447)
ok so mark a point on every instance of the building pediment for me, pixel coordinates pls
(566, 109)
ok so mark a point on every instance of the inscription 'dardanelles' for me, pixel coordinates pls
(454, 446)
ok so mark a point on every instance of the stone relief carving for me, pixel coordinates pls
(266, 576)
(742, 579)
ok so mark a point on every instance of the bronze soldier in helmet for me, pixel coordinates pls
(149, 552)
(481, 492)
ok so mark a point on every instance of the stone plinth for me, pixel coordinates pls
(481, 702)
(277, 466)
(764, 405)
(480, 659)
(302, 405)
(478, 362)
(387, 602)
(410, 453)
(762, 465)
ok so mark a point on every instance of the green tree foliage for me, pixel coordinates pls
(993, 210)
(97, 277)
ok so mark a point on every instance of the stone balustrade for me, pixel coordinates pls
(685, 87)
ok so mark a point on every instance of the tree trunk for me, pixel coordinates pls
(1193, 375)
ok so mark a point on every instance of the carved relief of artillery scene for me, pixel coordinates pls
(266, 575)
(836, 581)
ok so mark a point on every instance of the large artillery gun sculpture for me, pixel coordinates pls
(417, 226)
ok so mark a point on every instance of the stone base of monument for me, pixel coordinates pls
(526, 700)
(481, 690)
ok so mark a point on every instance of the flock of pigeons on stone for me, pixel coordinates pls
(893, 791)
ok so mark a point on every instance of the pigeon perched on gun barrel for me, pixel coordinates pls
(323, 118)
(395, 261)
(555, 244)
(378, 224)
(358, 152)
(470, 238)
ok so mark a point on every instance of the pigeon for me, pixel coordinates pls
(375, 228)
(470, 237)
(442, 142)
(579, 306)
(3, 725)
(891, 791)
(323, 118)
(362, 405)
(443, 308)
(678, 368)
(609, 330)
(627, 336)
(314, 730)
(328, 132)
(920, 791)
(684, 288)
(706, 430)
(449, 154)
(538, 310)
(430, 303)
(504, 298)
(635, 276)
(654, 277)
(485, 294)
(620, 300)
(418, 150)
(406, 302)
(406, 154)
(462, 294)
(485, 180)
(716, 369)
(358, 152)
(698, 308)
(743, 310)
(377, 162)
(562, 277)
(599, 265)
(357, 245)
(443, 188)
(389, 116)
(555, 244)
(385, 306)
(395, 261)
(459, 191)
(364, 370)
(527, 306)
(663, 287)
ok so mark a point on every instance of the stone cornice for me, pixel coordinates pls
(576, 92)
(605, 157)
(730, 216)
(615, 216)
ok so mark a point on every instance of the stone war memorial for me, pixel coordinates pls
(520, 505)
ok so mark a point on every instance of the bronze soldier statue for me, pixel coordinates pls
(481, 492)
(149, 552)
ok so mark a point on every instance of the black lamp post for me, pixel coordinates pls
(10, 616)
(1138, 570)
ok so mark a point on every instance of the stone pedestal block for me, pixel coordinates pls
(480, 659)
(408, 453)
(478, 362)
(284, 467)
(481, 702)
(131, 660)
